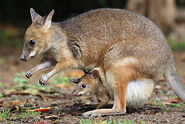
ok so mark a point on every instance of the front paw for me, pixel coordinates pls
(43, 80)
(28, 74)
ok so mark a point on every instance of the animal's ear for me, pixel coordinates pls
(48, 20)
(76, 81)
(95, 74)
(33, 14)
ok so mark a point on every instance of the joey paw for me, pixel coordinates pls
(43, 81)
(28, 74)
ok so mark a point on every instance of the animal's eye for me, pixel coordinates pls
(32, 42)
(83, 85)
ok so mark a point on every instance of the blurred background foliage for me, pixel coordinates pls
(15, 11)
(169, 15)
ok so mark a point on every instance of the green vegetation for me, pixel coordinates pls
(3, 85)
(7, 114)
(157, 102)
(1, 95)
(29, 114)
(86, 121)
(4, 114)
(21, 80)
(176, 105)
(10, 37)
(177, 46)
(59, 80)
(24, 85)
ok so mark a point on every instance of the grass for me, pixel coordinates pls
(23, 84)
(10, 37)
(112, 121)
(1, 95)
(160, 103)
(157, 102)
(6, 115)
(59, 80)
(28, 114)
(175, 105)
(3, 85)
(177, 46)
(21, 80)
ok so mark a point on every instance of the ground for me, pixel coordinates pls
(20, 98)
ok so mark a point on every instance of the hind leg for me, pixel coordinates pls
(118, 79)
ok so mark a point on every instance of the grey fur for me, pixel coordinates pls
(173, 79)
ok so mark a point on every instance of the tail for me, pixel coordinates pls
(173, 79)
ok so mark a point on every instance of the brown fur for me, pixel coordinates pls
(94, 86)
(122, 76)
(104, 38)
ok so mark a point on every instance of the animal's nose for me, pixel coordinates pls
(75, 92)
(23, 58)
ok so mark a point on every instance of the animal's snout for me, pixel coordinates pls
(23, 57)
(76, 92)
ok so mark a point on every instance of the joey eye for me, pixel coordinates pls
(32, 42)
(83, 86)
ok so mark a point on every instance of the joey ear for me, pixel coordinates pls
(48, 20)
(34, 15)
(76, 81)
(95, 74)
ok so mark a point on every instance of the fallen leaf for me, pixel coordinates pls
(32, 91)
(166, 103)
(158, 86)
(174, 100)
(53, 117)
(42, 110)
